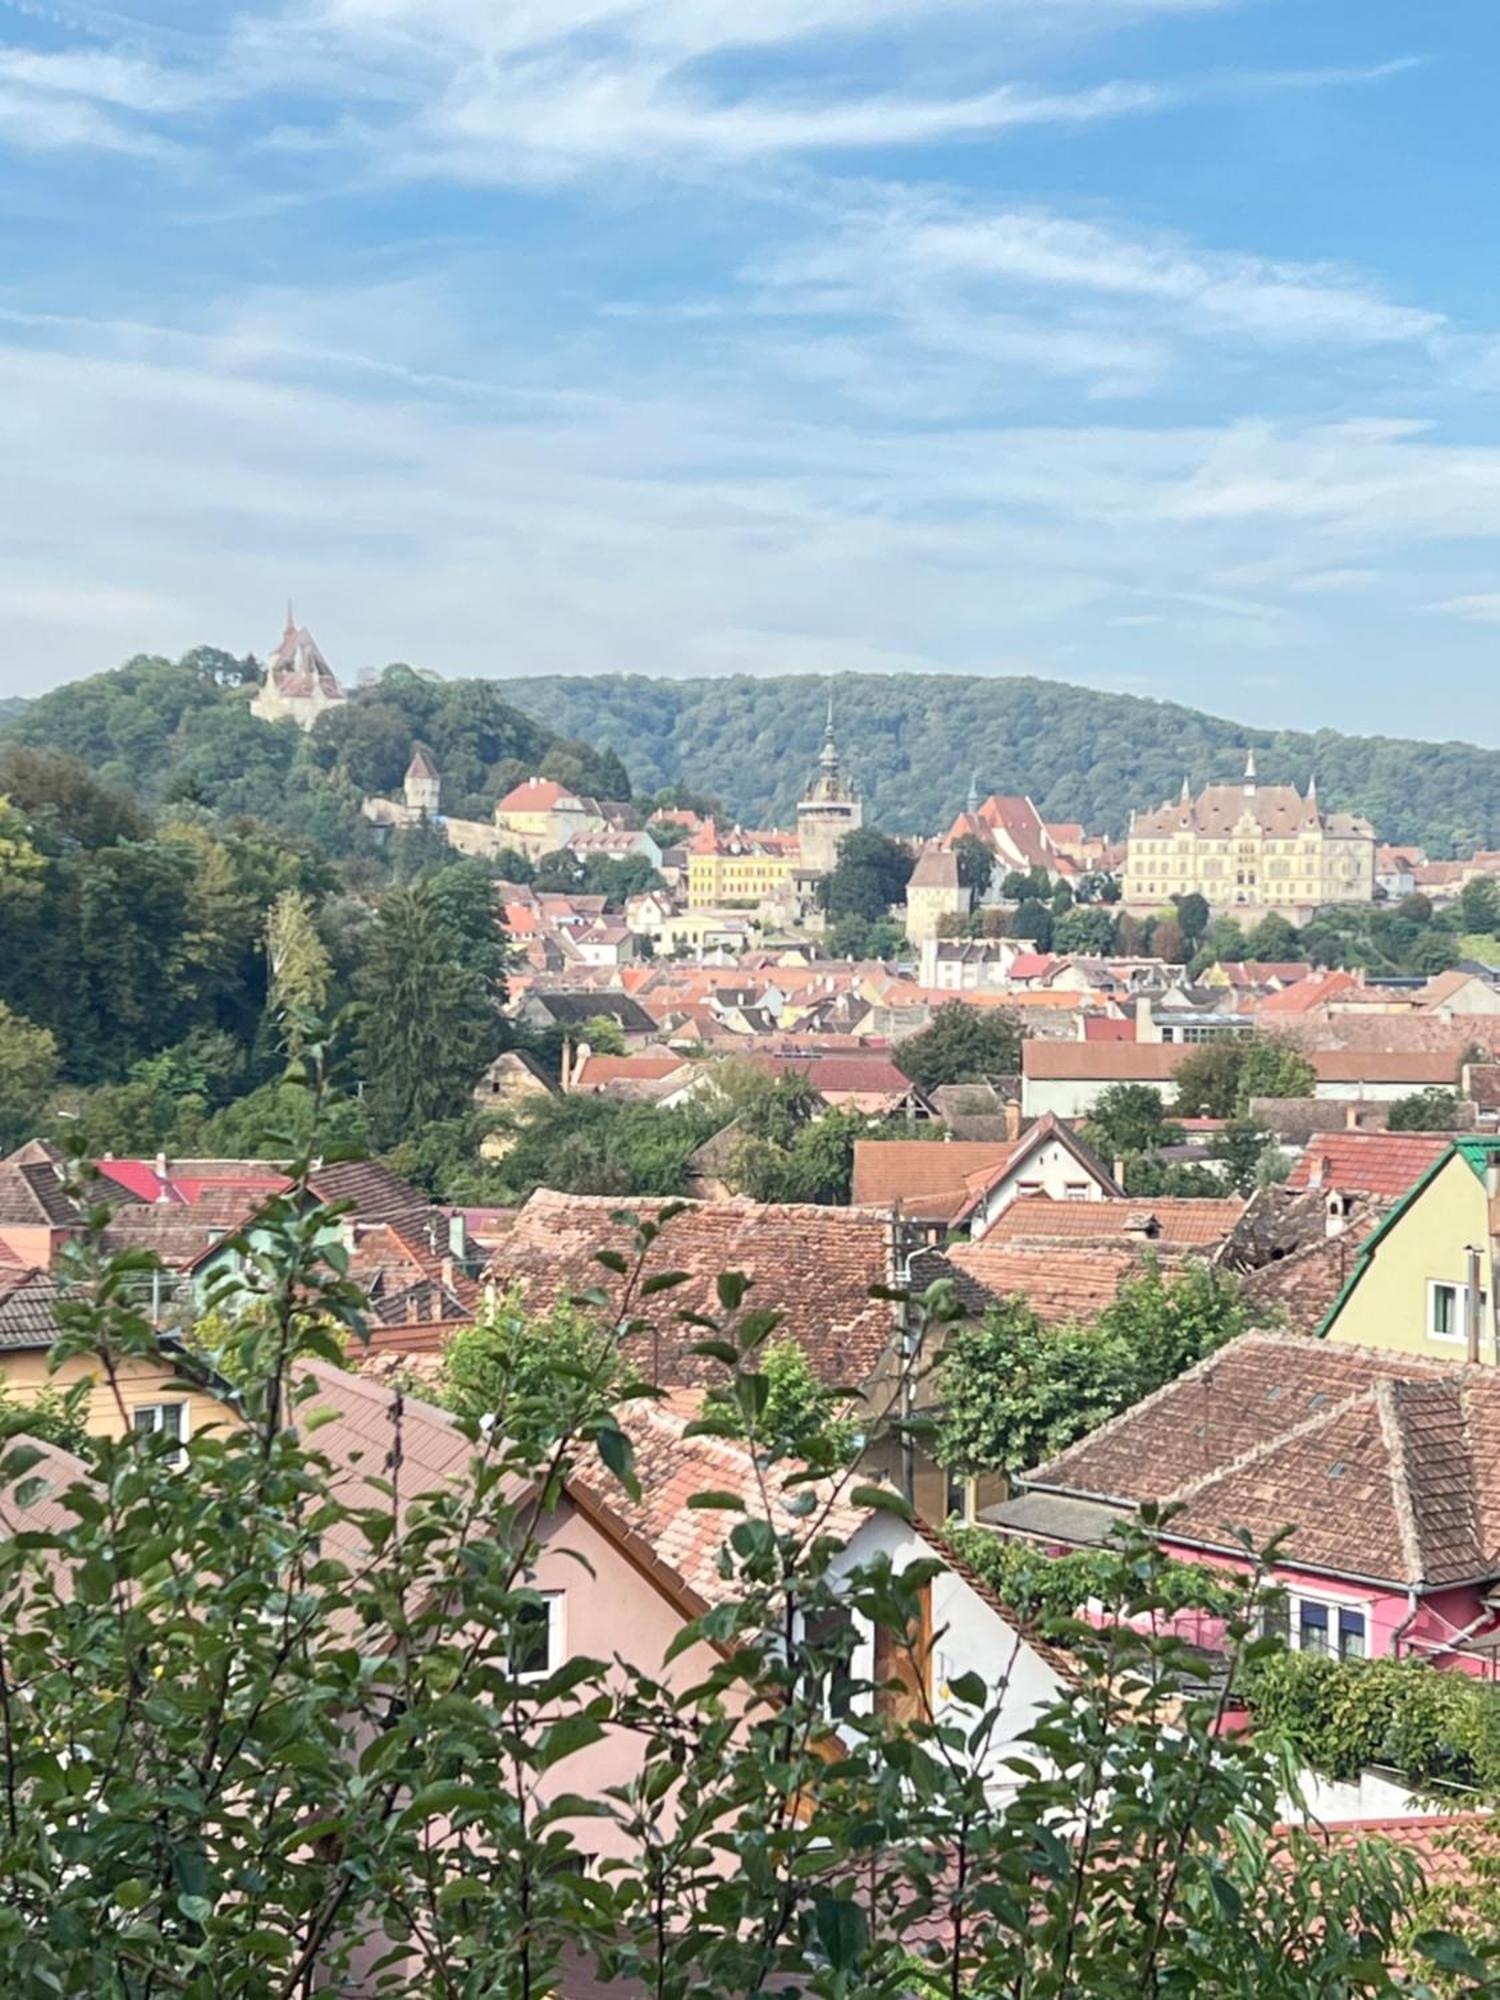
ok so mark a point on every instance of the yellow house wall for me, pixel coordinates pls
(1388, 1307)
(25, 1373)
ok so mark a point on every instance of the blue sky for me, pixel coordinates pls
(1148, 343)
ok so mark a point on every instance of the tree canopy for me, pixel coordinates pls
(961, 1044)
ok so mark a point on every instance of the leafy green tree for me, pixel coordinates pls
(1432, 1110)
(961, 1044)
(21, 866)
(419, 1790)
(1127, 1119)
(816, 1164)
(1086, 928)
(28, 1070)
(1034, 920)
(1274, 1069)
(870, 876)
(1243, 1146)
(603, 1034)
(1208, 1080)
(599, 1145)
(1023, 885)
(1273, 939)
(536, 1377)
(1012, 1392)
(430, 1023)
(1192, 916)
(1479, 905)
(976, 863)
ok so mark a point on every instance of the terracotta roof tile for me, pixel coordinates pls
(1130, 1221)
(1382, 1163)
(816, 1265)
(1384, 1466)
(927, 1176)
(1061, 1284)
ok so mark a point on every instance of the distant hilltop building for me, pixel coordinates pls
(540, 816)
(830, 809)
(421, 795)
(299, 683)
(1250, 847)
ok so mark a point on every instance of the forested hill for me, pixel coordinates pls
(912, 741)
(180, 732)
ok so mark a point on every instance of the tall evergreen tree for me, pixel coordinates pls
(298, 962)
(432, 1021)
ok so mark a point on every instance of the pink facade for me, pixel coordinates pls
(1440, 1626)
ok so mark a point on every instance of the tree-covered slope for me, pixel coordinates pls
(912, 742)
(181, 731)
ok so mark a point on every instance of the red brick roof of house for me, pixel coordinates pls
(1386, 1467)
(815, 1265)
(927, 1176)
(1060, 1283)
(1383, 1163)
(1158, 1222)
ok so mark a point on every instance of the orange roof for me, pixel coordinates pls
(1385, 1163)
(596, 1071)
(534, 795)
(1104, 1062)
(1314, 992)
(927, 1176)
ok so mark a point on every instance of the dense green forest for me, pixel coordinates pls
(182, 730)
(912, 742)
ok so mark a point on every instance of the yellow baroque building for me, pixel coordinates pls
(736, 870)
(1249, 847)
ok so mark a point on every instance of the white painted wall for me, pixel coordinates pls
(969, 1636)
(1051, 1170)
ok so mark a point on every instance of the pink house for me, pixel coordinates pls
(1385, 1467)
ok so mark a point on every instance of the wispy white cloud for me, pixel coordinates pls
(1482, 608)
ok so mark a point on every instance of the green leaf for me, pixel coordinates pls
(729, 1503)
(618, 1453)
(841, 1930)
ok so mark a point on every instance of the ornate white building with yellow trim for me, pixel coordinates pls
(1249, 847)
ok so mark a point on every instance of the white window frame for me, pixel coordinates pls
(552, 1604)
(157, 1411)
(1460, 1291)
(1334, 1607)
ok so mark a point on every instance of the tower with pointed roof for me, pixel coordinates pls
(423, 785)
(829, 809)
(299, 685)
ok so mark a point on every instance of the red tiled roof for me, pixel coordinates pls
(1383, 1163)
(816, 1265)
(1385, 1466)
(1100, 1028)
(1060, 1283)
(1160, 1222)
(927, 1176)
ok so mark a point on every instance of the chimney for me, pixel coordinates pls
(1318, 1172)
(458, 1235)
(1492, 1178)
(1146, 1029)
(1012, 1119)
(447, 1271)
(1335, 1214)
(1119, 1170)
(163, 1192)
(1351, 1117)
